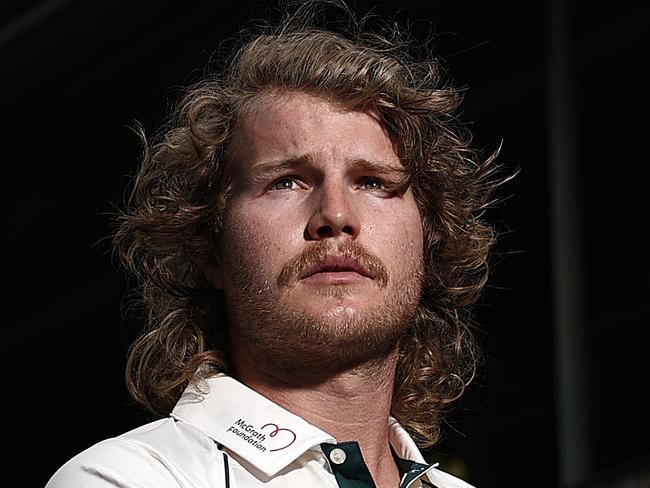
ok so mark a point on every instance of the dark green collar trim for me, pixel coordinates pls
(352, 472)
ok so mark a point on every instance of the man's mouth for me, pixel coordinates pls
(336, 267)
(321, 265)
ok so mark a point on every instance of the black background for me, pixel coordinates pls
(75, 75)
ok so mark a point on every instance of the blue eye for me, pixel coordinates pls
(283, 184)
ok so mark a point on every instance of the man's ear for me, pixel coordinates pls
(213, 272)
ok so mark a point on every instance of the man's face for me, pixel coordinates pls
(320, 258)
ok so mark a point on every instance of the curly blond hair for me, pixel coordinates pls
(168, 230)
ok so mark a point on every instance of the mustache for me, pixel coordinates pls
(311, 256)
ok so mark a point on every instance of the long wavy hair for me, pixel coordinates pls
(169, 226)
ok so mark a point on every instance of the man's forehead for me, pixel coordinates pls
(283, 114)
(302, 129)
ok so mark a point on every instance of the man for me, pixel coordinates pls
(307, 234)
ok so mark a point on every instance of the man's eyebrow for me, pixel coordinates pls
(378, 167)
(265, 171)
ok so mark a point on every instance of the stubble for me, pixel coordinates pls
(299, 345)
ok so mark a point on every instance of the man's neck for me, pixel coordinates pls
(351, 406)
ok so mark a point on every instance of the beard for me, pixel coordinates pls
(291, 342)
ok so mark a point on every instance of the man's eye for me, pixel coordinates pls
(371, 183)
(284, 184)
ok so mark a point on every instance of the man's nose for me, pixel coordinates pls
(334, 214)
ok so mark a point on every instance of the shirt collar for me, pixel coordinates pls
(402, 443)
(261, 432)
(249, 424)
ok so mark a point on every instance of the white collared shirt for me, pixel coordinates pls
(229, 436)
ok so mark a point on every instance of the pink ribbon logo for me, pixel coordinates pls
(278, 430)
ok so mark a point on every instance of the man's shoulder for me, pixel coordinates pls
(147, 456)
(118, 461)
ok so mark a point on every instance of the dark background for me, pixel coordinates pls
(75, 75)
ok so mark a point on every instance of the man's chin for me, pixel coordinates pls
(334, 297)
(319, 344)
(326, 355)
(317, 332)
(339, 311)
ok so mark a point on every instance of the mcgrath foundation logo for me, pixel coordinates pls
(286, 435)
(278, 437)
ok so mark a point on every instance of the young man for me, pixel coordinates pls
(307, 234)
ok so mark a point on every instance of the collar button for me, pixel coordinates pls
(337, 456)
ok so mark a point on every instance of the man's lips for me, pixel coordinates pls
(321, 265)
(336, 263)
